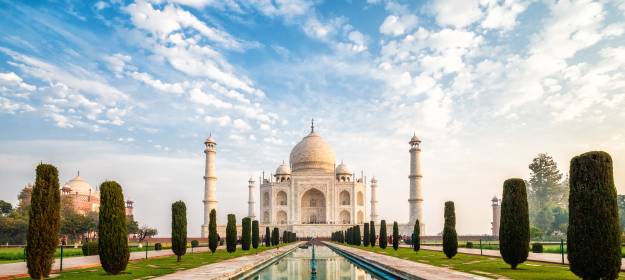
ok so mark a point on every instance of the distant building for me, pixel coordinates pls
(496, 216)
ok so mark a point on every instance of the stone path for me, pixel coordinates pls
(406, 267)
(228, 268)
(539, 257)
(19, 269)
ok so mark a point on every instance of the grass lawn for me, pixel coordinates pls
(481, 265)
(159, 266)
(12, 255)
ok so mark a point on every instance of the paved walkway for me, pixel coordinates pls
(406, 267)
(20, 269)
(539, 257)
(228, 268)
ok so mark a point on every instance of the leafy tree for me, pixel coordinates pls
(13, 228)
(358, 237)
(43, 226)
(179, 229)
(514, 229)
(112, 229)
(544, 219)
(255, 234)
(267, 237)
(545, 181)
(146, 232)
(395, 236)
(621, 211)
(213, 238)
(372, 233)
(416, 236)
(594, 238)
(275, 237)
(246, 233)
(231, 234)
(383, 237)
(366, 239)
(560, 219)
(450, 237)
(5, 208)
(24, 199)
(535, 233)
(132, 225)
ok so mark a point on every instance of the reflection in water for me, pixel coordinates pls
(297, 265)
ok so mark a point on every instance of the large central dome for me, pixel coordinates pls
(312, 153)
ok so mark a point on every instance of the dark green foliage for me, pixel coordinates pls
(284, 237)
(275, 236)
(383, 237)
(112, 228)
(469, 245)
(593, 234)
(43, 226)
(416, 236)
(158, 247)
(195, 244)
(5, 207)
(365, 237)
(267, 237)
(231, 234)
(357, 236)
(537, 248)
(450, 237)
(395, 236)
(372, 236)
(514, 232)
(255, 234)
(213, 238)
(179, 229)
(246, 233)
(90, 248)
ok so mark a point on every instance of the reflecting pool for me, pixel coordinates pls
(297, 265)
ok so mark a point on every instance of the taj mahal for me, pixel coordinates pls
(312, 195)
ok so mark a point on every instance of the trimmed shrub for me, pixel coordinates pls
(179, 229)
(357, 236)
(416, 236)
(246, 233)
(514, 229)
(267, 237)
(90, 248)
(195, 244)
(213, 237)
(255, 234)
(365, 237)
(450, 237)
(593, 234)
(44, 220)
(112, 229)
(469, 245)
(372, 233)
(537, 248)
(158, 247)
(383, 237)
(275, 236)
(231, 234)
(395, 236)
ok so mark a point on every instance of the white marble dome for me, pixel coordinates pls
(283, 169)
(342, 169)
(80, 186)
(312, 153)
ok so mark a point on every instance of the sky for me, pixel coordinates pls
(129, 90)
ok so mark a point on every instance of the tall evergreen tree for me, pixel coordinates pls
(358, 238)
(514, 229)
(267, 237)
(44, 220)
(450, 237)
(275, 236)
(383, 238)
(255, 234)
(372, 236)
(179, 229)
(112, 229)
(416, 236)
(594, 249)
(395, 236)
(231, 234)
(545, 182)
(213, 238)
(365, 237)
(246, 233)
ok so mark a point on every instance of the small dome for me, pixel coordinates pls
(342, 169)
(283, 169)
(495, 199)
(80, 186)
(415, 139)
(312, 153)
(210, 139)
(374, 180)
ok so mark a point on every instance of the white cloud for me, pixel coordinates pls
(503, 14)
(240, 125)
(198, 96)
(177, 88)
(398, 25)
(12, 79)
(117, 62)
(11, 107)
(457, 13)
(221, 121)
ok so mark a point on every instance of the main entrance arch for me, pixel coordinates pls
(313, 207)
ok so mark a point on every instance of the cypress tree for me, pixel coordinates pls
(284, 237)
(514, 229)
(358, 236)
(246, 233)
(593, 234)
(112, 229)
(267, 237)
(372, 233)
(179, 229)
(275, 236)
(43, 223)
(383, 237)
(231, 234)
(213, 238)
(416, 236)
(255, 234)
(395, 236)
(450, 237)
(365, 237)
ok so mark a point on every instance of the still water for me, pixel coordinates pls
(297, 265)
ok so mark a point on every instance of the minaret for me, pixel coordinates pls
(416, 197)
(496, 216)
(374, 200)
(251, 201)
(210, 180)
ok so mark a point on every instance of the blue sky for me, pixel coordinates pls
(128, 90)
